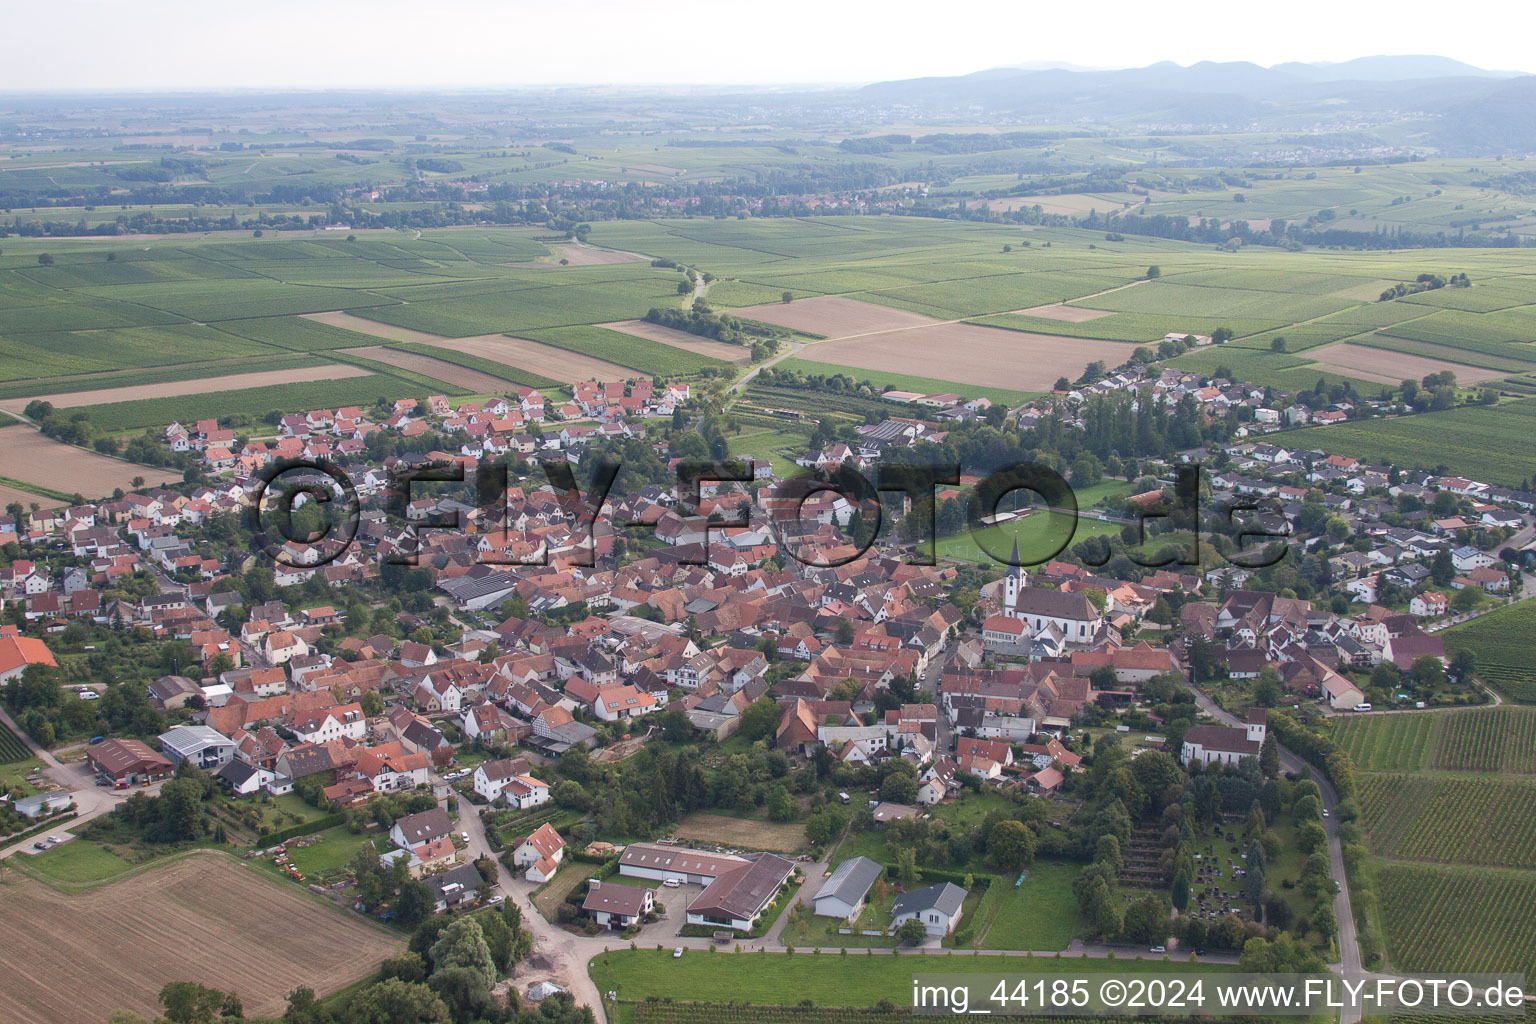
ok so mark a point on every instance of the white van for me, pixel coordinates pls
(1363, 707)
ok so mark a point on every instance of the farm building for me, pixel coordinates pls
(128, 761)
(17, 652)
(843, 893)
(737, 898)
(613, 905)
(937, 907)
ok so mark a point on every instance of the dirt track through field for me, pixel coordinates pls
(28, 456)
(1386, 367)
(681, 339)
(870, 337)
(75, 959)
(437, 369)
(202, 385)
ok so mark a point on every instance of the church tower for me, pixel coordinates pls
(1013, 582)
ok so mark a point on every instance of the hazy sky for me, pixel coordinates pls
(179, 44)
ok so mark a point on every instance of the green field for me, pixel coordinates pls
(1472, 441)
(641, 354)
(253, 402)
(1039, 536)
(1501, 640)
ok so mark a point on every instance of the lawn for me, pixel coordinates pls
(76, 864)
(1040, 914)
(329, 852)
(572, 874)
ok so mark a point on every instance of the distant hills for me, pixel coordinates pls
(1455, 105)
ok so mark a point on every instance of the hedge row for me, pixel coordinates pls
(320, 824)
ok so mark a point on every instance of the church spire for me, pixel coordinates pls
(1015, 567)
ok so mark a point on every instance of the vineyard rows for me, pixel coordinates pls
(1501, 642)
(1452, 919)
(1470, 821)
(12, 749)
(1501, 739)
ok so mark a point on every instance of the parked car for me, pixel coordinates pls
(1363, 706)
(671, 883)
(55, 840)
(88, 694)
(677, 952)
(1325, 812)
(1157, 949)
(495, 898)
(39, 846)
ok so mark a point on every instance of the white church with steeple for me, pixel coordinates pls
(1075, 618)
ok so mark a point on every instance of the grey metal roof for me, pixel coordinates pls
(850, 880)
(947, 898)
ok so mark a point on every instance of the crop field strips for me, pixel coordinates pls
(61, 353)
(1501, 643)
(1137, 327)
(1482, 297)
(427, 367)
(1507, 332)
(316, 394)
(195, 386)
(297, 333)
(635, 351)
(1386, 367)
(907, 382)
(1453, 919)
(488, 308)
(1467, 357)
(157, 374)
(502, 371)
(1442, 818)
(1472, 441)
(204, 301)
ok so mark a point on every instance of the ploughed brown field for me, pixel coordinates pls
(30, 457)
(227, 382)
(871, 337)
(11, 495)
(359, 325)
(1067, 314)
(437, 369)
(582, 256)
(1386, 367)
(75, 959)
(544, 360)
(681, 339)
